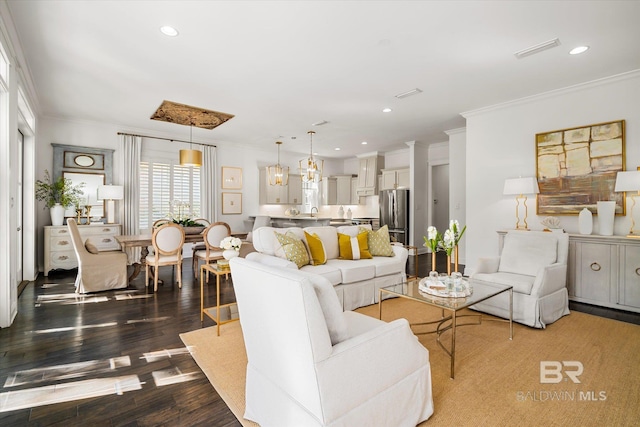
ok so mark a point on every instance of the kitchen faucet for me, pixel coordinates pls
(312, 211)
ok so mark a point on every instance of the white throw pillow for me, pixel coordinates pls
(527, 252)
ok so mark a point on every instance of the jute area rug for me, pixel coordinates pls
(497, 381)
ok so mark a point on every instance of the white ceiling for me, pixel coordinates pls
(281, 66)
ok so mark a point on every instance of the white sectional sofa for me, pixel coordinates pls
(355, 281)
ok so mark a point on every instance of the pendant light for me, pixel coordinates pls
(312, 170)
(278, 175)
(190, 157)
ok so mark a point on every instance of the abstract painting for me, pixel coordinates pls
(577, 167)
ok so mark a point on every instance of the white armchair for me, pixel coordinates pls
(310, 364)
(535, 264)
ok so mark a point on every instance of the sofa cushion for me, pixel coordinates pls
(292, 248)
(330, 272)
(521, 283)
(353, 230)
(316, 249)
(331, 308)
(539, 251)
(388, 265)
(264, 239)
(353, 248)
(379, 241)
(352, 272)
(329, 237)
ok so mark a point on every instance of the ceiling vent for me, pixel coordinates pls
(408, 93)
(537, 48)
(320, 123)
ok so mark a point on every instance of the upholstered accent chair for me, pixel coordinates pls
(535, 264)
(167, 241)
(101, 271)
(213, 235)
(311, 364)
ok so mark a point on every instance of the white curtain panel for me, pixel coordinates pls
(130, 147)
(208, 183)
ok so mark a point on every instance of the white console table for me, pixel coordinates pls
(603, 270)
(58, 248)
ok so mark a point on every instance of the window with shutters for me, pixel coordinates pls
(162, 183)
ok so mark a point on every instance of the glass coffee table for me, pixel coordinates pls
(410, 290)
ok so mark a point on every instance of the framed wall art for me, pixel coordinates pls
(577, 167)
(231, 203)
(231, 178)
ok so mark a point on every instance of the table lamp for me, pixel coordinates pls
(629, 181)
(520, 187)
(110, 193)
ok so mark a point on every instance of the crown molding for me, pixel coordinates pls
(553, 93)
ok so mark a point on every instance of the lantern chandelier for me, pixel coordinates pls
(312, 171)
(190, 157)
(278, 175)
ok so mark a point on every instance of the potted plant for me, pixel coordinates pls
(58, 195)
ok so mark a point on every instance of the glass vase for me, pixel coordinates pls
(433, 261)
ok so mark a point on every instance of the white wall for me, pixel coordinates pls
(457, 183)
(500, 144)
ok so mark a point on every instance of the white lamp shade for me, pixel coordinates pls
(528, 185)
(628, 181)
(110, 192)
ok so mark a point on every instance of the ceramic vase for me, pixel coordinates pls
(606, 215)
(230, 253)
(585, 221)
(57, 214)
(341, 212)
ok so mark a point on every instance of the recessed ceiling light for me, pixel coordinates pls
(337, 148)
(578, 50)
(364, 143)
(168, 31)
(386, 110)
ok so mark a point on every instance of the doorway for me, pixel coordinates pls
(440, 192)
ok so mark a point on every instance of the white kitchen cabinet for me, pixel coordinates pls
(394, 178)
(355, 199)
(272, 194)
(368, 175)
(58, 247)
(329, 191)
(343, 192)
(294, 194)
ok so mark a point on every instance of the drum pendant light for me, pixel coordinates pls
(190, 157)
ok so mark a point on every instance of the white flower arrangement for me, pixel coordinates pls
(231, 243)
(445, 242)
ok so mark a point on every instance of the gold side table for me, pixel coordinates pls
(220, 314)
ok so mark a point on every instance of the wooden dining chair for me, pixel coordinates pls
(167, 241)
(212, 252)
(200, 246)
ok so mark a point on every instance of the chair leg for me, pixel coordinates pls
(146, 276)
(180, 276)
(196, 267)
(156, 272)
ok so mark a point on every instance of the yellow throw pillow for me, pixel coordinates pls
(379, 241)
(293, 248)
(353, 247)
(316, 247)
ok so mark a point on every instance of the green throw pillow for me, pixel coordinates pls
(379, 241)
(293, 248)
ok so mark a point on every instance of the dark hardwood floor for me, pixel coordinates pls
(55, 327)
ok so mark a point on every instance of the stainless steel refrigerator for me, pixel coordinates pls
(394, 213)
